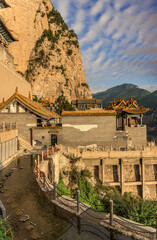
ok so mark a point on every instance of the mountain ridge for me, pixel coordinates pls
(126, 91)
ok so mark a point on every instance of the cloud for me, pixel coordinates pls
(117, 39)
(63, 8)
(97, 8)
(79, 25)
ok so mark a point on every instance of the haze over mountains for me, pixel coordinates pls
(125, 91)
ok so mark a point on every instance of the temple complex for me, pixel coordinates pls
(31, 118)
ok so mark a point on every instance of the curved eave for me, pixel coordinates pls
(2, 22)
(24, 103)
(5, 3)
(137, 111)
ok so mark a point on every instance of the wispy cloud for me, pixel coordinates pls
(117, 39)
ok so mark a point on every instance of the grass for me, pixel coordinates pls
(5, 231)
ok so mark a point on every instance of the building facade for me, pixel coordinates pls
(8, 142)
(29, 116)
(9, 78)
(86, 104)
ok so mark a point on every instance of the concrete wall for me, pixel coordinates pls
(8, 144)
(41, 136)
(24, 121)
(131, 171)
(10, 80)
(137, 135)
(85, 130)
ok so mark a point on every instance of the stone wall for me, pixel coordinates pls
(8, 145)
(131, 171)
(10, 80)
(24, 121)
(41, 136)
(85, 130)
(137, 135)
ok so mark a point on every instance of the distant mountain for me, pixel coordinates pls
(149, 100)
(125, 91)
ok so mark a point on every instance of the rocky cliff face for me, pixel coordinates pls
(47, 52)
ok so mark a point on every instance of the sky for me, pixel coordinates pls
(118, 40)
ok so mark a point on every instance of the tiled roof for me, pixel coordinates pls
(89, 113)
(31, 105)
(136, 111)
(4, 31)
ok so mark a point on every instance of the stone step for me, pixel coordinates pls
(24, 144)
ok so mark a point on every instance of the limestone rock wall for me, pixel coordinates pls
(47, 52)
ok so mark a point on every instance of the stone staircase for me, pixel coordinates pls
(24, 144)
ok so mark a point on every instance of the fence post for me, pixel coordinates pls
(44, 176)
(156, 225)
(78, 201)
(55, 190)
(42, 156)
(111, 212)
(47, 151)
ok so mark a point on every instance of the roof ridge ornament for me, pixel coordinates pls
(16, 89)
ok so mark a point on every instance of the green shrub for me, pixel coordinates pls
(5, 231)
(84, 84)
(61, 188)
(42, 14)
(69, 52)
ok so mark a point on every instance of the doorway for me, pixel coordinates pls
(53, 139)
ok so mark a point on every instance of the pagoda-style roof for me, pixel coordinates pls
(129, 106)
(3, 4)
(139, 110)
(35, 107)
(89, 113)
(6, 36)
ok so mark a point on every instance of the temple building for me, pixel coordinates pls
(32, 119)
(120, 126)
(129, 113)
(86, 104)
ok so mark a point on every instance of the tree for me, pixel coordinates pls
(62, 104)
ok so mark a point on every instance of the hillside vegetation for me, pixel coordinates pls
(125, 91)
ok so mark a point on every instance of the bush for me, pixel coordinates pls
(61, 188)
(62, 104)
(84, 85)
(5, 231)
(69, 52)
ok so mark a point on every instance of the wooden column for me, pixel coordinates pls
(141, 120)
(121, 176)
(143, 177)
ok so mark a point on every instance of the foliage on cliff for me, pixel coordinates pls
(55, 65)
